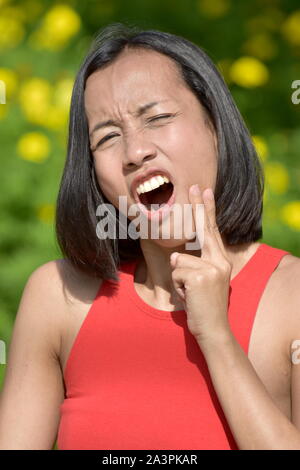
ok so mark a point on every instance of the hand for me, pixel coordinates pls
(202, 283)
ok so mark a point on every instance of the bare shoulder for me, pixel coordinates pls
(291, 300)
(60, 277)
(41, 293)
(287, 276)
(58, 284)
(76, 286)
(290, 261)
(286, 282)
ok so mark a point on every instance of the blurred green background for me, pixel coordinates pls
(256, 46)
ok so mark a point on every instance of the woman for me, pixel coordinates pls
(145, 350)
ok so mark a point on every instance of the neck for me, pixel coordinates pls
(153, 273)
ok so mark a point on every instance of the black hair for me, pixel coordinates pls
(240, 179)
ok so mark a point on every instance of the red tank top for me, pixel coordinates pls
(136, 377)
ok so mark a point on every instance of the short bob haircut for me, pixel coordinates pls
(240, 179)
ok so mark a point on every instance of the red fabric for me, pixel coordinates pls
(136, 377)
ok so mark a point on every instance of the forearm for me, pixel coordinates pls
(254, 419)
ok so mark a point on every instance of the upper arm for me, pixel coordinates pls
(293, 307)
(295, 381)
(33, 385)
(295, 366)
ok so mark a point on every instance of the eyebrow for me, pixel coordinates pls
(141, 110)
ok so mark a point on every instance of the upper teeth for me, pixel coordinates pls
(152, 183)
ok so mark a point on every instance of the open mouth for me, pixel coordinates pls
(160, 196)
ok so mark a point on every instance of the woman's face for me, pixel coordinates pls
(183, 144)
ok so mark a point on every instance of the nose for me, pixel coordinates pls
(138, 150)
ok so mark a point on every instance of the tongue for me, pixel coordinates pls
(157, 196)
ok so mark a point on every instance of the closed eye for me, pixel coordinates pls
(104, 139)
(114, 135)
(159, 117)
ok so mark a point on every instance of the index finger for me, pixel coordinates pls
(212, 242)
(211, 217)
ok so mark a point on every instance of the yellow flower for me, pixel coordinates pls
(213, 8)
(46, 213)
(261, 45)
(277, 177)
(63, 92)
(37, 91)
(11, 31)
(291, 28)
(35, 95)
(261, 146)
(290, 214)
(34, 146)
(45, 104)
(58, 112)
(60, 23)
(249, 72)
(9, 78)
(57, 117)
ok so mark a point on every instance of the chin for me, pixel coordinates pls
(170, 240)
(175, 244)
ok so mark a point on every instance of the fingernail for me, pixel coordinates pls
(173, 256)
(195, 189)
(209, 193)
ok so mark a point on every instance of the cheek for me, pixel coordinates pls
(173, 139)
(189, 140)
(105, 179)
(109, 182)
(194, 158)
(193, 150)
